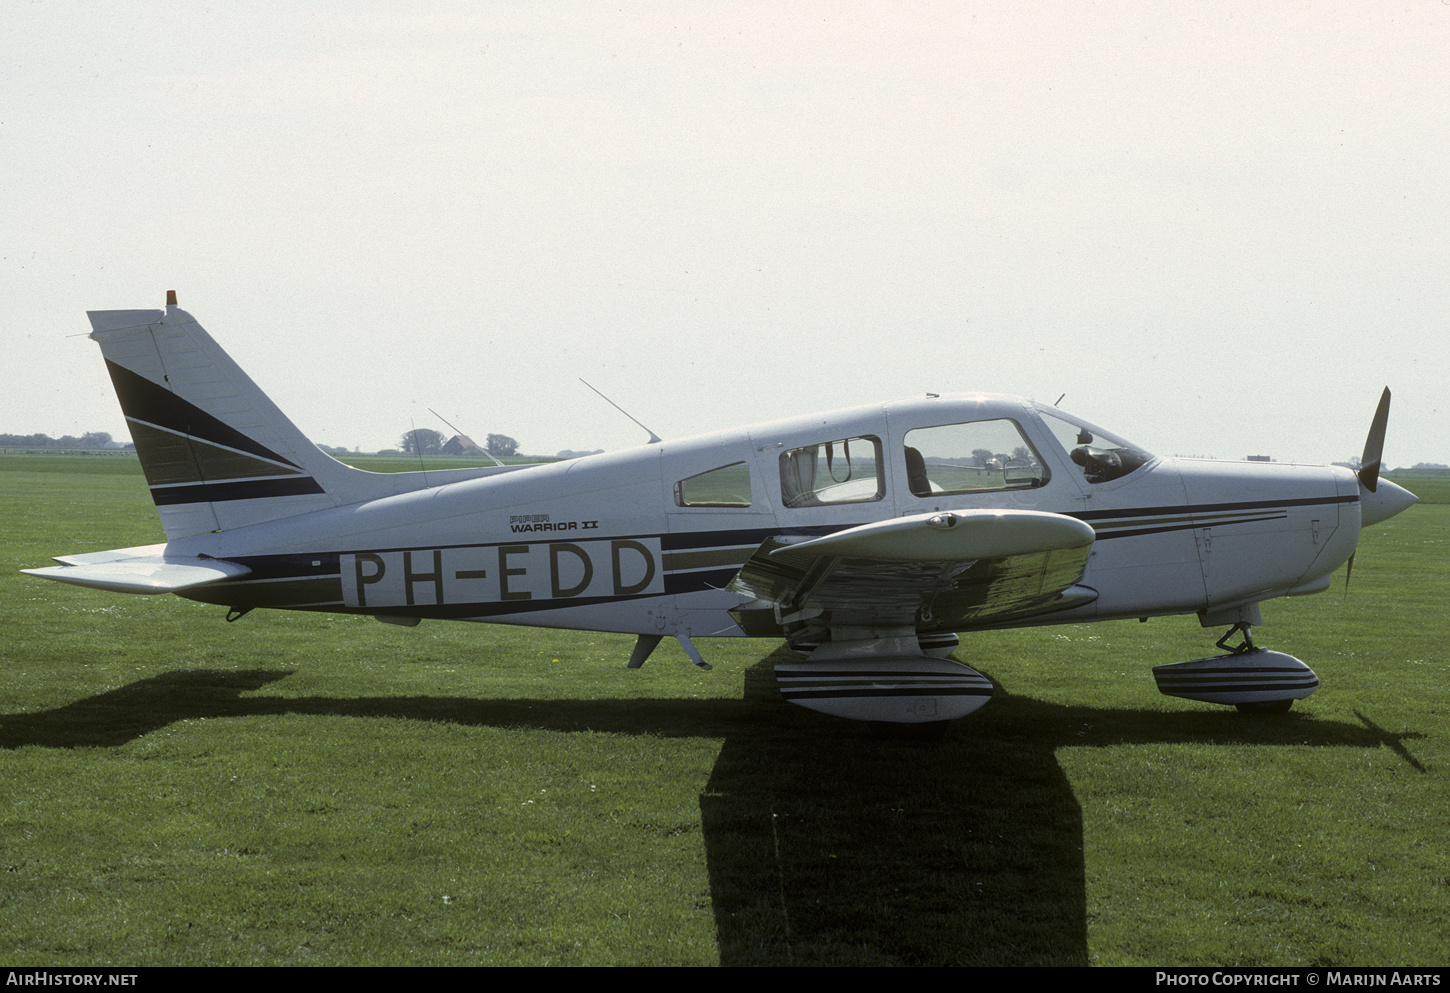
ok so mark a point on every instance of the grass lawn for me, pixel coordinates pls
(296, 788)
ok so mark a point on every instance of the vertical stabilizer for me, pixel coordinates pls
(217, 453)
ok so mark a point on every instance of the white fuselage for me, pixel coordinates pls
(607, 542)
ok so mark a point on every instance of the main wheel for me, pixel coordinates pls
(925, 731)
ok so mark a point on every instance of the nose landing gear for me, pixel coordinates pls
(1246, 630)
(1254, 680)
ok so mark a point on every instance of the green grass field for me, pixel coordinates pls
(297, 789)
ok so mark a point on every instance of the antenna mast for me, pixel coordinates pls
(654, 439)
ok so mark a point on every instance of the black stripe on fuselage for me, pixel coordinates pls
(745, 540)
(1090, 516)
(1137, 521)
(680, 540)
(1134, 532)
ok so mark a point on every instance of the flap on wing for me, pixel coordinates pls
(944, 570)
(143, 569)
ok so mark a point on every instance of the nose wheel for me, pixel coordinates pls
(1258, 707)
(1265, 708)
(1251, 679)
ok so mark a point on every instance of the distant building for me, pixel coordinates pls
(1257, 458)
(461, 444)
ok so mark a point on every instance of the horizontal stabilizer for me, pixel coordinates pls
(144, 569)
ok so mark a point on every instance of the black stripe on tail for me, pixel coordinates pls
(190, 456)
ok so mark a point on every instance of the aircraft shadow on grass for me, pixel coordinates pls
(823, 844)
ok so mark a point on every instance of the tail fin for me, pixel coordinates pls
(217, 453)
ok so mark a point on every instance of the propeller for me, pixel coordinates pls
(1374, 444)
(1377, 501)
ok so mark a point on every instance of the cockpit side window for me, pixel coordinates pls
(974, 457)
(844, 471)
(1101, 456)
(727, 486)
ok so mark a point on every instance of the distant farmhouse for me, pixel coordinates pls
(461, 444)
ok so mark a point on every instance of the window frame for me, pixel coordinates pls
(1042, 474)
(680, 495)
(807, 495)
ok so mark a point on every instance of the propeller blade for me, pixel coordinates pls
(1374, 445)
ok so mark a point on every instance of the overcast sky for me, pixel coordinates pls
(1219, 228)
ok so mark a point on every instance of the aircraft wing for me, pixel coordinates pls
(143, 569)
(940, 571)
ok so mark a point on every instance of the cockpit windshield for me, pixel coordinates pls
(1101, 456)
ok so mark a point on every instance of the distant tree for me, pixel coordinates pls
(500, 445)
(422, 441)
(96, 439)
(982, 455)
(27, 441)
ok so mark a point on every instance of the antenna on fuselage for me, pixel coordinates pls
(418, 449)
(654, 439)
(462, 435)
(1058, 400)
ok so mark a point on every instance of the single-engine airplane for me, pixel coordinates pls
(866, 537)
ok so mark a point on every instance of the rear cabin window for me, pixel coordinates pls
(727, 486)
(832, 472)
(974, 457)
